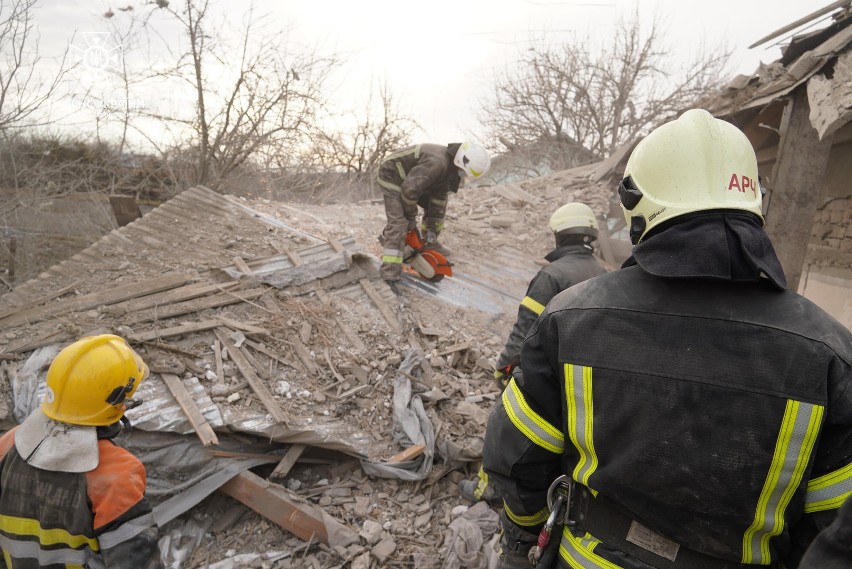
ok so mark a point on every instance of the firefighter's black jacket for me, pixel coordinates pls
(691, 389)
(569, 265)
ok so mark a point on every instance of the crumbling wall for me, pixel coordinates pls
(832, 229)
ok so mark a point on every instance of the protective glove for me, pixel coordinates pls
(515, 545)
(431, 237)
(412, 224)
(502, 376)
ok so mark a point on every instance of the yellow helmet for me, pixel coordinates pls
(694, 163)
(88, 381)
(574, 218)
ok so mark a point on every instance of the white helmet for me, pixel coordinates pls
(574, 218)
(473, 159)
(694, 163)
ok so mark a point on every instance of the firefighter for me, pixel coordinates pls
(698, 412)
(423, 175)
(69, 496)
(575, 228)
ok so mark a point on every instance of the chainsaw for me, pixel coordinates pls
(428, 263)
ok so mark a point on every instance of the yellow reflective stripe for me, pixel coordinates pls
(400, 170)
(527, 521)
(474, 172)
(531, 424)
(438, 202)
(408, 200)
(391, 260)
(579, 552)
(415, 150)
(829, 491)
(581, 417)
(796, 439)
(389, 185)
(47, 537)
(532, 304)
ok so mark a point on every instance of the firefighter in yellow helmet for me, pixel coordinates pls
(575, 230)
(686, 410)
(70, 497)
(423, 175)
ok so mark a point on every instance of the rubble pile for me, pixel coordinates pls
(299, 413)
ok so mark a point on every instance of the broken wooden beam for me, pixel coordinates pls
(302, 520)
(410, 453)
(289, 460)
(196, 305)
(257, 385)
(193, 414)
(179, 330)
(112, 295)
(380, 304)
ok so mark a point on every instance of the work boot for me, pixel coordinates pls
(395, 286)
(476, 490)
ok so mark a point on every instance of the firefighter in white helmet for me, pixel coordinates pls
(575, 230)
(423, 175)
(687, 410)
(89, 509)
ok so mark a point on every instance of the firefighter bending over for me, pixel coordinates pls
(423, 175)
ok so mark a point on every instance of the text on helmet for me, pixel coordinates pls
(741, 182)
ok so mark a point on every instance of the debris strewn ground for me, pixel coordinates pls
(300, 414)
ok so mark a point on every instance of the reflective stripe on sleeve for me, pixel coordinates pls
(537, 518)
(27, 527)
(531, 424)
(829, 491)
(400, 170)
(532, 304)
(796, 439)
(581, 417)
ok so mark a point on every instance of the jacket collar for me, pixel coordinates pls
(726, 246)
(560, 252)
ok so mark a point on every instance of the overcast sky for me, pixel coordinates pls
(438, 56)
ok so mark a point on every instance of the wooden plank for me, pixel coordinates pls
(217, 356)
(286, 464)
(303, 353)
(180, 330)
(242, 327)
(257, 385)
(299, 519)
(180, 294)
(410, 453)
(292, 255)
(116, 293)
(196, 305)
(241, 266)
(335, 244)
(454, 348)
(38, 301)
(380, 304)
(193, 414)
(263, 350)
(796, 186)
(350, 335)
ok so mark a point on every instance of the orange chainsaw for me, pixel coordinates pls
(427, 263)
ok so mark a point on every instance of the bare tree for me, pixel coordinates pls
(23, 90)
(580, 104)
(359, 147)
(247, 96)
